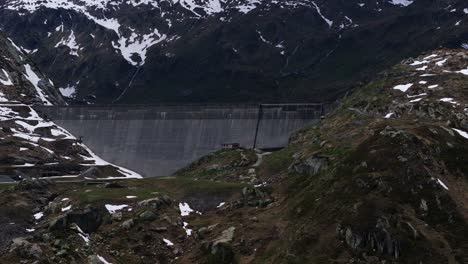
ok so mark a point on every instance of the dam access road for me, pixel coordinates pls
(157, 140)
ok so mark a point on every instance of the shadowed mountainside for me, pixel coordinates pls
(225, 51)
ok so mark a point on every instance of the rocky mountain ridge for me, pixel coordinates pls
(190, 51)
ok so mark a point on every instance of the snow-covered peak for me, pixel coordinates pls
(133, 41)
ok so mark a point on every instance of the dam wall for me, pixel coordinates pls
(158, 140)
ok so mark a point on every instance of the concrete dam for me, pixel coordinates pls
(160, 139)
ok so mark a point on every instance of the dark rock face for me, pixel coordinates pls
(379, 239)
(160, 51)
(88, 219)
(18, 70)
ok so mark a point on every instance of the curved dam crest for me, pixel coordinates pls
(158, 140)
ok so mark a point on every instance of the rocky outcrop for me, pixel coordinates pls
(220, 249)
(89, 219)
(311, 165)
(25, 249)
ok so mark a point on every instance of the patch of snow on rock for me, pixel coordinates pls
(416, 100)
(104, 261)
(441, 63)
(188, 231)
(403, 87)
(64, 209)
(69, 91)
(5, 78)
(448, 100)
(185, 209)
(34, 79)
(38, 215)
(461, 133)
(112, 209)
(71, 43)
(401, 2)
(442, 184)
(465, 71)
(168, 242)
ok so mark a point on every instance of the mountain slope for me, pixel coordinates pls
(382, 179)
(32, 146)
(233, 50)
(395, 183)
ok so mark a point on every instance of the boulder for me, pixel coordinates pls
(206, 230)
(128, 224)
(312, 165)
(226, 237)
(147, 216)
(220, 249)
(25, 249)
(88, 219)
(117, 217)
(155, 203)
(94, 259)
(255, 197)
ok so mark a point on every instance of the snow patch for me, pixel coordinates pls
(64, 209)
(401, 2)
(185, 209)
(34, 80)
(38, 215)
(442, 184)
(112, 209)
(403, 87)
(104, 261)
(7, 81)
(69, 91)
(461, 133)
(71, 43)
(168, 242)
(448, 100)
(328, 21)
(188, 231)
